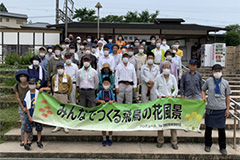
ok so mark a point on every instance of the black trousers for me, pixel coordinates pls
(221, 137)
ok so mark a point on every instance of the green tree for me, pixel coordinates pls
(232, 38)
(234, 27)
(3, 8)
(112, 18)
(144, 16)
(85, 15)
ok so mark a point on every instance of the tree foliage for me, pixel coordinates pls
(85, 15)
(3, 8)
(232, 37)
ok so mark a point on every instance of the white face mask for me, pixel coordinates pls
(87, 52)
(140, 50)
(217, 75)
(57, 52)
(123, 50)
(120, 38)
(60, 71)
(81, 47)
(177, 45)
(23, 79)
(174, 51)
(67, 45)
(127, 45)
(110, 40)
(68, 61)
(136, 44)
(166, 71)
(89, 40)
(106, 53)
(169, 58)
(158, 44)
(143, 43)
(35, 62)
(130, 53)
(125, 60)
(153, 41)
(102, 39)
(42, 54)
(164, 42)
(50, 50)
(78, 41)
(93, 50)
(86, 64)
(32, 86)
(72, 51)
(150, 61)
(106, 87)
(63, 46)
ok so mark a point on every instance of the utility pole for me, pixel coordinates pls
(57, 13)
(66, 18)
(98, 6)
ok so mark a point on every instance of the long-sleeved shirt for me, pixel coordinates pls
(173, 69)
(177, 60)
(44, 65)
(191, 84)
(125, 74)
(71, 70)
(150, 48)
(52, 66)
(141, 58)
(148, 73)
(89, 79)
(165, 47)
(134, 61)
(34, 73)
(163, 88)
(117, 58)
(109, 59)
(49, 56)
(63, 87)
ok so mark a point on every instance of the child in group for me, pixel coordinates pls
(29, 102)
(106, 96)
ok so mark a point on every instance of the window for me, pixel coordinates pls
(0, 19)
(7, 20)
(19, 21)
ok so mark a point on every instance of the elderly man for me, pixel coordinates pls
(217, 109)
(164, 84)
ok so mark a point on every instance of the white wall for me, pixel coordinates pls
(25, 38)
(10, 38)
(51, 38)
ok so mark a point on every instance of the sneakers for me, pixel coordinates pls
(21, 144)
(159, 145)
(110, 142)
(175, 146)
(39, 144)
(104, 143)
(223, 151)
(207, 149)
(27, 146)
(56, 129)
(66, 130)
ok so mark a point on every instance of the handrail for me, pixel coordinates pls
(230, 112)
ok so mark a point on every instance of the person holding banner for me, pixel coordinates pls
(62, 87)
(106, 96)
(149, 72)
(164, 84)
(125, 80)
(217, 109)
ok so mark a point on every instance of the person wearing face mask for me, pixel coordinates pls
(106, 95)
(141, 57)
(106, 71)
(99, 50)
(89, 41)
(152, 45)
(87, 82)
(102, 39)
(20, 89)
(92, 57)
(71, 69)
(123, 49)
(177, 60)
(144, 42)
(53, 61)
(106, 58)
(110, 44)
(50, 52)
(169, 54)
(62, 87)
(164, 84)
(158, 53)
(179, 51)
(71, 38)
(117, 57)
(217, 109)
(120, 42)
(44, 62)
(95, 40)
(164, 45)
(149, 72)
(93, 50)
(78, 42)
(37, 72)
(75, 58)
(125, 80)
(136, 45)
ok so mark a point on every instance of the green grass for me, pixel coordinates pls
(8, 120)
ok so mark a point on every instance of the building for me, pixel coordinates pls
(12, 20)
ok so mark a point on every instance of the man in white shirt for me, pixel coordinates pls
(106, 58)
(99, 51)
(164, 45)
(102, 39)
(158, 52)
(87, 81)
(71, 69)
(117, 57)
(149, 72)
(178, 61)
(125, 80)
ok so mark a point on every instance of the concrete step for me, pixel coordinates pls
(119, 150)
(224, 75)
(133, 136)
(227, 78)
(235, 87)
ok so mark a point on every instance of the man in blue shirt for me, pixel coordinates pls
(44, 62)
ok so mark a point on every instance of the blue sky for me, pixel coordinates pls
(205, 12)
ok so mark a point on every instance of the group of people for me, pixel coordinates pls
(118, 72)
